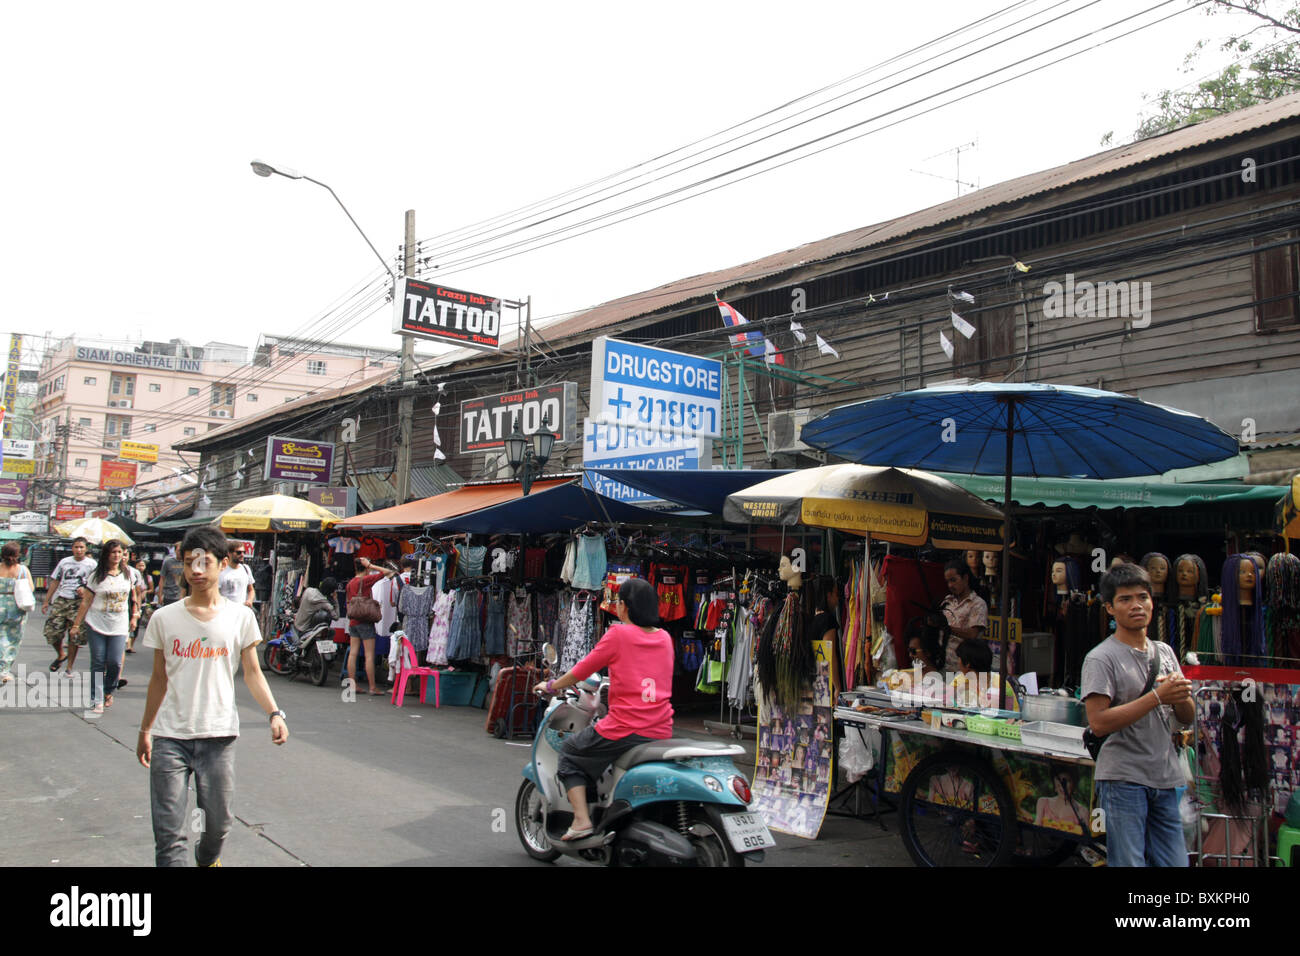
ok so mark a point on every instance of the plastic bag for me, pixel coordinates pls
(856, 758)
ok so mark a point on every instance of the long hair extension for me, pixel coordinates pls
(1232, 794)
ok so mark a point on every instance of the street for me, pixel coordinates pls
(359, 783)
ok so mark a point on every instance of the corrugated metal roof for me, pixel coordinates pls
(430, 480)
(1094, 167)
(297, 406)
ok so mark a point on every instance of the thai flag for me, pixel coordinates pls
(733, 318)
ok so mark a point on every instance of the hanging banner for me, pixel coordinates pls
(11, 377)
(431, 311)
(341, 501)
(290, 459)
(627, 446)
(68, 512)
(485, 422)
(117, 474)
(13, 494)
(29, 522)
(792, 779)
(137, 451)
(19, 466)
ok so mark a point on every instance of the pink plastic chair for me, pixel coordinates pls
(408, 669)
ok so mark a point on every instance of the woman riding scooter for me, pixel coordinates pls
(639, 656)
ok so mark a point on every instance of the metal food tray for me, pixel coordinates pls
(1063, 738)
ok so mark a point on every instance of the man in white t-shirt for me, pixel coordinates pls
(61, 593)
(236, 583)
(190, 719)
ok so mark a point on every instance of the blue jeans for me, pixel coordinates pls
(105, 663)
(211, 761)
(1143, 825)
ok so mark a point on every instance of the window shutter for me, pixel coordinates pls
(1276, 274)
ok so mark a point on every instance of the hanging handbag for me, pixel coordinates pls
(24, 596)
(1091, 740)
(364, 610)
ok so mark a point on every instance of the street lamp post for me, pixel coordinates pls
(528, 458)
(406, 373)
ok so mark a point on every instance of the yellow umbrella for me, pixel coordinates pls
(277, 513)
(94, 530)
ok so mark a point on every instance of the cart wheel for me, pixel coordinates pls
(500, 728)
(956, 812)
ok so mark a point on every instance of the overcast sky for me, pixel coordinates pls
(130, 207)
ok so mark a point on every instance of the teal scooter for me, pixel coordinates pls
(674, 802)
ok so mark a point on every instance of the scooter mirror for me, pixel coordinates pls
(550, 654)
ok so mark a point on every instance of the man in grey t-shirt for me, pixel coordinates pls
(1139, 773)
(169, 580)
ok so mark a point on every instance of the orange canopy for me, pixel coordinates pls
(446, 505)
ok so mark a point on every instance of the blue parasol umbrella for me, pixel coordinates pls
(1028, 429)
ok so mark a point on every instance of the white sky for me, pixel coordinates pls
(129, 205)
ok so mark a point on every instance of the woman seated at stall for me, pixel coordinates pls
(977, 683)
(315, 601)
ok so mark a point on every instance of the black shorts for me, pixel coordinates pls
(585, 755)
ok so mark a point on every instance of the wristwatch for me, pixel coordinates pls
(276, 713)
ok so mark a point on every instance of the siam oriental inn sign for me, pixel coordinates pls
(486, 422)
(431, 311)
(170, 363)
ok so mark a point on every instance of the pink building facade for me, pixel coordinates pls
(92, 394)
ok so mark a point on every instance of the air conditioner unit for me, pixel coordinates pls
(221, 412)
(783, 430)
(497, 465)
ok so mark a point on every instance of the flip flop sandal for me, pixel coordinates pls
(57, 664)
(572, 834)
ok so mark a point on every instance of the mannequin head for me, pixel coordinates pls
(788, 574)
(1190, 577)
(1158, 569)
(1242, 596)
(973, 562)
(1121, 557)
(1066, 575)
(992, 559)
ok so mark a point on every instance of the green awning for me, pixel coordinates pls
(1116, 492)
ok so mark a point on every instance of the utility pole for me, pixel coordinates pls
(406, 404)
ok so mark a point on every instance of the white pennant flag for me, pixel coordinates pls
(438, 455)
(798, 331)
(437, 407)
(769, 351)
(962, 326)
(437, 438)
(441, 386)
(825, 347)
(945, 344)
(962, 296)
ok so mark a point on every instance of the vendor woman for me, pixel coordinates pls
(966, 611)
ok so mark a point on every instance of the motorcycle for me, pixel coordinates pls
(674, 802)
(313, 652)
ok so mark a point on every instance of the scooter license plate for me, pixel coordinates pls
(326, 647)
(747, 832)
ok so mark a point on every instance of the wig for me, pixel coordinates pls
(1234, 643)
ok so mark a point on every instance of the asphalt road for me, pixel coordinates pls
(360, 783)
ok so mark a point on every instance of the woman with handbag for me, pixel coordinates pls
(17, 597)
(363, 613)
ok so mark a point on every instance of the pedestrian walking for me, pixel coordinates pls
(13, 615)
(236, 581)
(61, 603)
(105, 612)
(191, 721)
(170, 578)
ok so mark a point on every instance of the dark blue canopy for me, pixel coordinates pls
(560, 508)
(698, 488)
(1060, 431)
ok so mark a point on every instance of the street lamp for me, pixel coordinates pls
(528, 459)
(266, 169)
